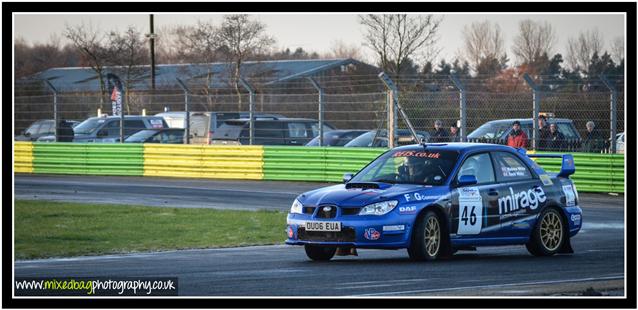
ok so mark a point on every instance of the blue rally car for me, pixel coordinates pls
(436, 199)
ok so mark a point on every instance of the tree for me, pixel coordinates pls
(91, 44)
(581, 49)
(534, 41)
(128, 50)
(483, 43)
(618, 49)
(399, 39)
(243, 38)
(340, 49)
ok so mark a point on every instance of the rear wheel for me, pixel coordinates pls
(320, 253)
(427, 238)
(549, 234)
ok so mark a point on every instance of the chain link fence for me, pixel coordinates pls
(289, 113)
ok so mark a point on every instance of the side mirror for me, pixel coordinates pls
(467, 180)
(347, 177)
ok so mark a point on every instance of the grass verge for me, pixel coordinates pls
(58, 229)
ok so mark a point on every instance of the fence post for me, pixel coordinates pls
(613, 110)
(536, 98)
(187, 125)
(320, 90)
(251, 110)
(55, 109)
(389, 84)
(462, 107)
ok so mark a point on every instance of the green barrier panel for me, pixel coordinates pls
(88, 158)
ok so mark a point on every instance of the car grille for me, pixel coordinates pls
(347, 234)
(322, 214)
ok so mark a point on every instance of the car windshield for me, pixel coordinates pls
(490, 131)
(88, 126)
(422, 167)
(140, 136)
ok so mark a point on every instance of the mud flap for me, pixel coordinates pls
(567, 247)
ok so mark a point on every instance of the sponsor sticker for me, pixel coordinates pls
(419, 197)
(407, 210)
(547, 181)
(576, 219)
(371, 234)
(421, 154)
(570, 197)
(394, 228)
(470, 211)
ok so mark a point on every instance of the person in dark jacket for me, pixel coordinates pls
(439, 134)
(64, 131)
(517, 137)
(454, 134)
(557, 139)
(544, 135)
(594, 141)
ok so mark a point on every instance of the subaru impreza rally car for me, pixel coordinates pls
(436, 199)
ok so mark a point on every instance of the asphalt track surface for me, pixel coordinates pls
(285, 271)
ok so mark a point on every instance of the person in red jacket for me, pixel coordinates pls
(517, 137)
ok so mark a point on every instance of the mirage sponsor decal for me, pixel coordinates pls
(529, 199)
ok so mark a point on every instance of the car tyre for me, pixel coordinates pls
(320, 253)
(548, 236)
(428, 238)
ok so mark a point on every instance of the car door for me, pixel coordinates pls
(474, 212)
(520, 194)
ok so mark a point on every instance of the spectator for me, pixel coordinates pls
(544, 136)
(593, 142)
(64, 131)
(517, 137)
(557, 139)
(439, 134)
(454, 134)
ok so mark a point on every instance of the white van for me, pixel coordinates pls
(202, 124)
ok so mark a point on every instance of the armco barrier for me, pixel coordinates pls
(303, 163)
(594, 172)
(88, 158)
(23, 157)
(204, 161)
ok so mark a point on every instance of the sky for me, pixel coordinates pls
(318, 32)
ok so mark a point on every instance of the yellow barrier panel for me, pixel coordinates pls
(204, 161)
(23, 157)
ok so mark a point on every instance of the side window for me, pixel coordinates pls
(133, 126)
(297, 130)
(480, 166)
(509, 168)
(46, 128)
(315, 129)
(271, 130)
(156, 139)
(566, 130)
(112, 128)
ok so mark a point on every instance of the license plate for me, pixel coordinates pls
(323, 226)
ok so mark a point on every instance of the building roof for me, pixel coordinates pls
(256, 72)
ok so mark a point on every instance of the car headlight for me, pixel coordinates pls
(296, 207)
(379, 208)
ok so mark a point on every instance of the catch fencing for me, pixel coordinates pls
(362, 102)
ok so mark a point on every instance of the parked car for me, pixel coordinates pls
(41, 129)
(337, 137)
(497, 131)
(204, 124)
(275, 131)
(164, 136)
(379, 138)
(107, 128)
(64, 132)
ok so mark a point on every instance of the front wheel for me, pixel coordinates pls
(427, 238)
(320, 253)
(549, 235)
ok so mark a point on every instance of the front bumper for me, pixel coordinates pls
(390, 231)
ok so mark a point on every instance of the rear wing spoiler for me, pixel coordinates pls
(567, 167)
